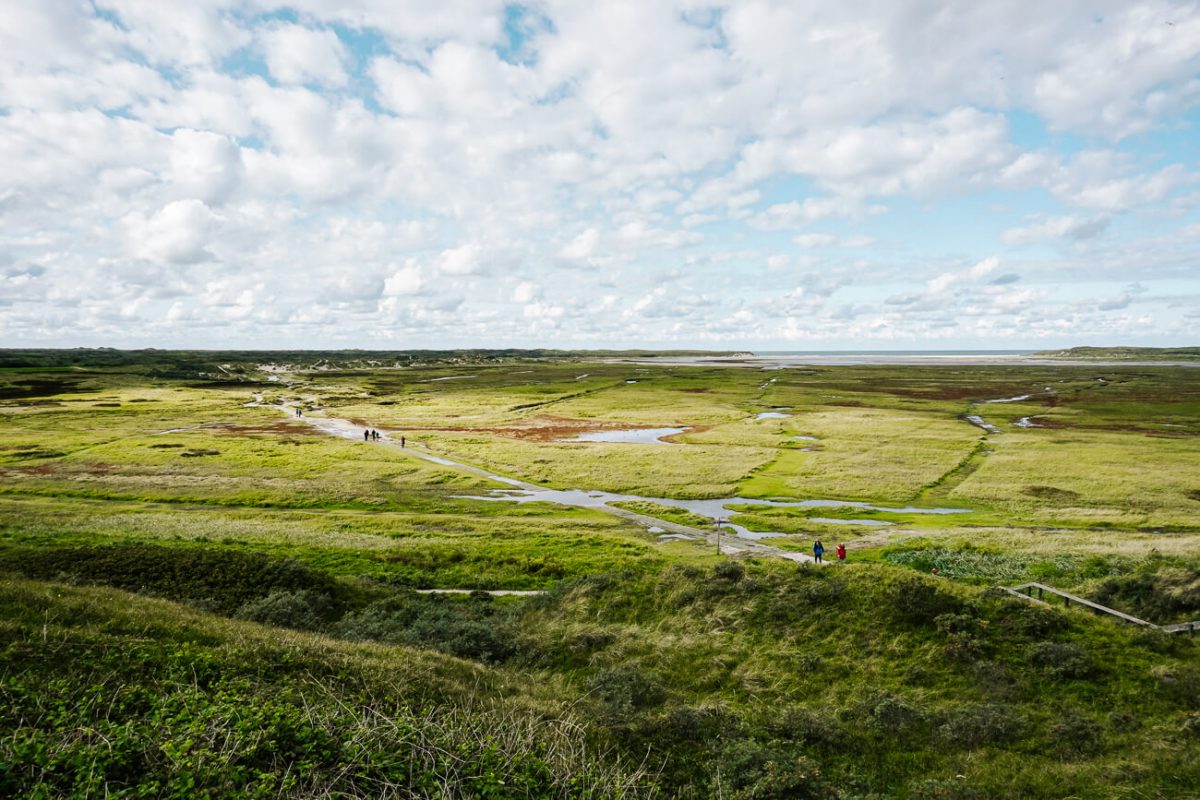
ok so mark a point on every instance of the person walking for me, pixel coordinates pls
(403, 441)
(841, 552)
(366, 435)
(818, 551)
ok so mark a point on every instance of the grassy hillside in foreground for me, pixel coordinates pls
(104, 694)
(742, 680)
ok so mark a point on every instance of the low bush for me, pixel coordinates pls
(1168, 594)
(304, 610)
(770, 771)
(480, 631)
(626, 689)
(806, 726)
(964, 636)
(219, 579)
(983, 724)
(948, 789)
(1180, 683)
(1026, 620)
(887, 716)
(1061, 660)
(730, 571)
(920, 601)
(1075, 735)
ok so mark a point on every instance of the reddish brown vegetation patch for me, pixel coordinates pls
(62, 470)
(283, 428)
(1058, 423)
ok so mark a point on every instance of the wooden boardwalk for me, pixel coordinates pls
(1026, 592)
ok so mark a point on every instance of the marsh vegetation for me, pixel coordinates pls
(201, 594)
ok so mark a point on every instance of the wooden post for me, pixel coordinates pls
(1039, 593)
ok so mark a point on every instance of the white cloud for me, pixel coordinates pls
(525, 292)
(296, 54)
(582, 248)
(406, 280)
(463, 260)
(178, 233)
(1071, 228)
(428, 178)
(946, 280)
(204, 165)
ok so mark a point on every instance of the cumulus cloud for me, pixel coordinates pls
(203, 165)
(628, 172)
(296, 54)
(1070, 227)
(178, 233)
(406, 280)
(463, 260)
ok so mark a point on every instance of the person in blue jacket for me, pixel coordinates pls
(818, 551)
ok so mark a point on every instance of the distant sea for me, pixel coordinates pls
(894, 352)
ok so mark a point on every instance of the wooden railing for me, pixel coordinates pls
(1026, 591)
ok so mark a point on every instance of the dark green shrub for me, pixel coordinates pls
(626, 689)
(950, 789)
(995, 678)
(479, 631)
(807, 726)
(730, 571)
(771, 771)
(888, 716)
(819, 591)
(964, 636)
(979, 725)
(920, 600)
(1064, 660)
(1168, 594)
(1123, 721)
(218, 579)
(695, 725)
(1075, 735)
(305, 610)
(1181, 684)
(1024, 619)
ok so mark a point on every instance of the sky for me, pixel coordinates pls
(391, 174)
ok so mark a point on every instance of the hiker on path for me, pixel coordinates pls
(841, 552)
(818, 551)
(366, 436)
(402, 441)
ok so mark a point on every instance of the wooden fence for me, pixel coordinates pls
(1026, 592)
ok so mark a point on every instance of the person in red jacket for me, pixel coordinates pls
(841, 552)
